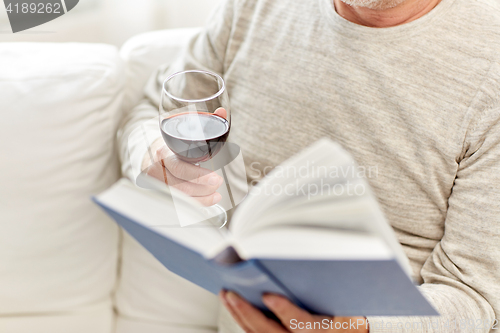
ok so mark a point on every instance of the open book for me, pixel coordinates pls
(327, 248)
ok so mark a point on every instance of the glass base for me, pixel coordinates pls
(218, 215)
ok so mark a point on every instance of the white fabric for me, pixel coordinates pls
(59, 106)
(98, 318)
(149, 298)
(128, 325)
(148, 294)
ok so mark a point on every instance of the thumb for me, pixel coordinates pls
(288, 313)
(221, 112)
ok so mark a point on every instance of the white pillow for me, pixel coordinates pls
(59, 110)
(150, 298)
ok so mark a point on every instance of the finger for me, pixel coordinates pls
(209, 200)
(204, 194)
(251, 317)
(221, 112)
(191, 189)
(236, 317)
(157, 171)
(149, 157)
(194, 190)
(187, 171)
(286, 311)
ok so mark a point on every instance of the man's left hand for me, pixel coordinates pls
(293, 319)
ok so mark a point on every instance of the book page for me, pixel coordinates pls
(288, 183)
(334, 214)
(321, 186)
(313, 243)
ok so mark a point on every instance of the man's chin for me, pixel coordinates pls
(374, 4)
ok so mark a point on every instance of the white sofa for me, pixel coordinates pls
(64, 265)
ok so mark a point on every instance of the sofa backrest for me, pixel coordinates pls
(143, 54)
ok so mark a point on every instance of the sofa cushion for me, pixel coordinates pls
(59, 110)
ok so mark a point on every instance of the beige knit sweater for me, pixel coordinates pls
(419, 103)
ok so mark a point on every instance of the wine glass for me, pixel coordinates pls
(195, 120)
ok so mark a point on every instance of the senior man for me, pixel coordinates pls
(411, 87)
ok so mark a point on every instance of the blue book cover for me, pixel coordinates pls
(330, 287)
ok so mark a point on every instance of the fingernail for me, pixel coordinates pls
(232, 298)
(270, 300)
(214, 180)
(217, 198)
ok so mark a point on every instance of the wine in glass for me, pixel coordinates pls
(195, 119)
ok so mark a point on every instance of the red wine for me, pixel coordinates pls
(195, 137)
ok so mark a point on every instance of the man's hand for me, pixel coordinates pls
(198, 182)
(293, 319)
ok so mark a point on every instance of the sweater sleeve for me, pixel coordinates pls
(462, 274)
(206, 51)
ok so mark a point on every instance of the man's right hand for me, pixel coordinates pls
(195, 181)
